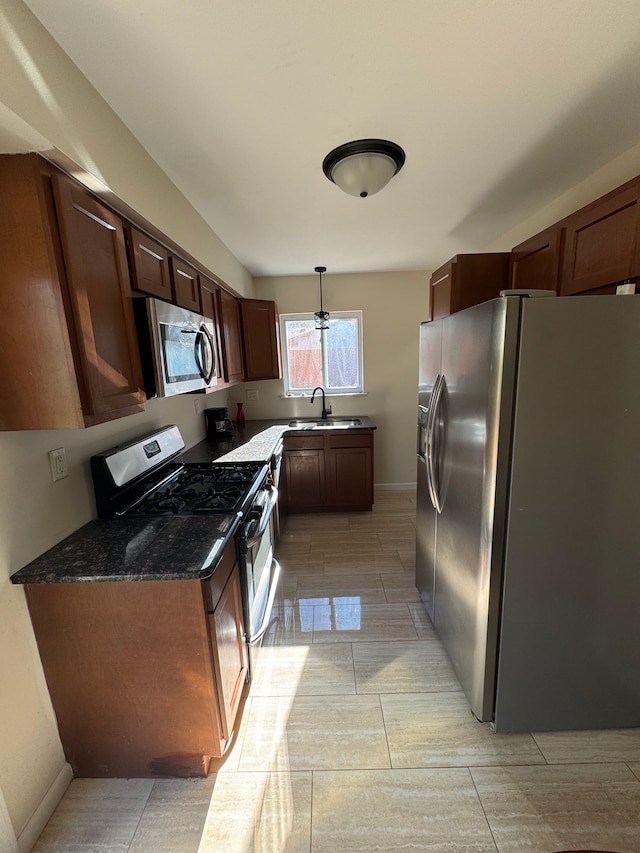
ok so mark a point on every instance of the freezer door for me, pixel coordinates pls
(473, 432)
(429, 368)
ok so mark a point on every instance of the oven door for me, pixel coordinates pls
(259, 570)
(179, 348)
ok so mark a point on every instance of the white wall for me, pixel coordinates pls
(46, 103)
(393, 305)
(37, 514)
(612, 175)
(40, 84)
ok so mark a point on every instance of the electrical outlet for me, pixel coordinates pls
(252, 395)
(58, 463)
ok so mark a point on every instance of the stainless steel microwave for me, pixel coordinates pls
(177, 348)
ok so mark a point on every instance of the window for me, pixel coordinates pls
(332, 359)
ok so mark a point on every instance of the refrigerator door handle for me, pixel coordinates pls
(429, 441)
(423, 414)
(432, 477)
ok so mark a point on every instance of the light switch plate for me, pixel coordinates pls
(252, 395)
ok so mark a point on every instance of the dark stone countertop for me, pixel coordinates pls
(167, 548)
(255, 441)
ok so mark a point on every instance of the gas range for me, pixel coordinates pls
(148, 477)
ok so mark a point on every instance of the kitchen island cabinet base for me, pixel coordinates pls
(131, 670)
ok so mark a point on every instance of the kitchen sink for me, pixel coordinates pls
(328, 423)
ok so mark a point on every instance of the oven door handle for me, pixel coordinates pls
(266, 515)
(257, 637)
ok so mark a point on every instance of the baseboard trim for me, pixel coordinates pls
(395, 487)
(44, 810)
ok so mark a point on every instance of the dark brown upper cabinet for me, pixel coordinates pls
(467, 280)
(149, 265)
(66, 304)
(95, 256)
(602, 243)
(184, 280)
(535, 264)
(230, 324)
(260, 339)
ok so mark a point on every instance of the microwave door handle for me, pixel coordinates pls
(197, 347)
(208, 340)
(202, 336)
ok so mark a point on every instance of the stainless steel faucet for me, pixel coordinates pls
(325, 411)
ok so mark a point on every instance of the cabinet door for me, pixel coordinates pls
(535, 264)
(442, 291)
(602, 243)
(349, 472)
(468, 280)
(229, 651)
(231, 335)
(95, 257)
(129, 670)
(184, 280)
(259, 335)
(149, 265)
(38, 388)
(304, 479)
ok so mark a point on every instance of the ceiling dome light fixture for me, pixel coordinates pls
(363, 167)
(321, 316)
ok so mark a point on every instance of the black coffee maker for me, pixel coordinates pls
(218, 423)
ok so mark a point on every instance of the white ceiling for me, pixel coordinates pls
(499, 105)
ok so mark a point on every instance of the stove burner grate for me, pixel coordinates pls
(194, 492)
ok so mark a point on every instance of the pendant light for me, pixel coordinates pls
(321, 317)
(363, 167)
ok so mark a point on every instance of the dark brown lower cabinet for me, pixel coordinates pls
(229, 652)
(328, 471)
(349, 472)
(145, 677)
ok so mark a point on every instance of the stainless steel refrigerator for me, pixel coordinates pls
(528, 517)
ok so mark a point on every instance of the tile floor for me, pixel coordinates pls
(355, 736)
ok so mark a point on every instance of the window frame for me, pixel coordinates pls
(356, 315)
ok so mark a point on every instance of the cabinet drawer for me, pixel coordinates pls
(350, 438)
(304, 442)
(214, 585)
